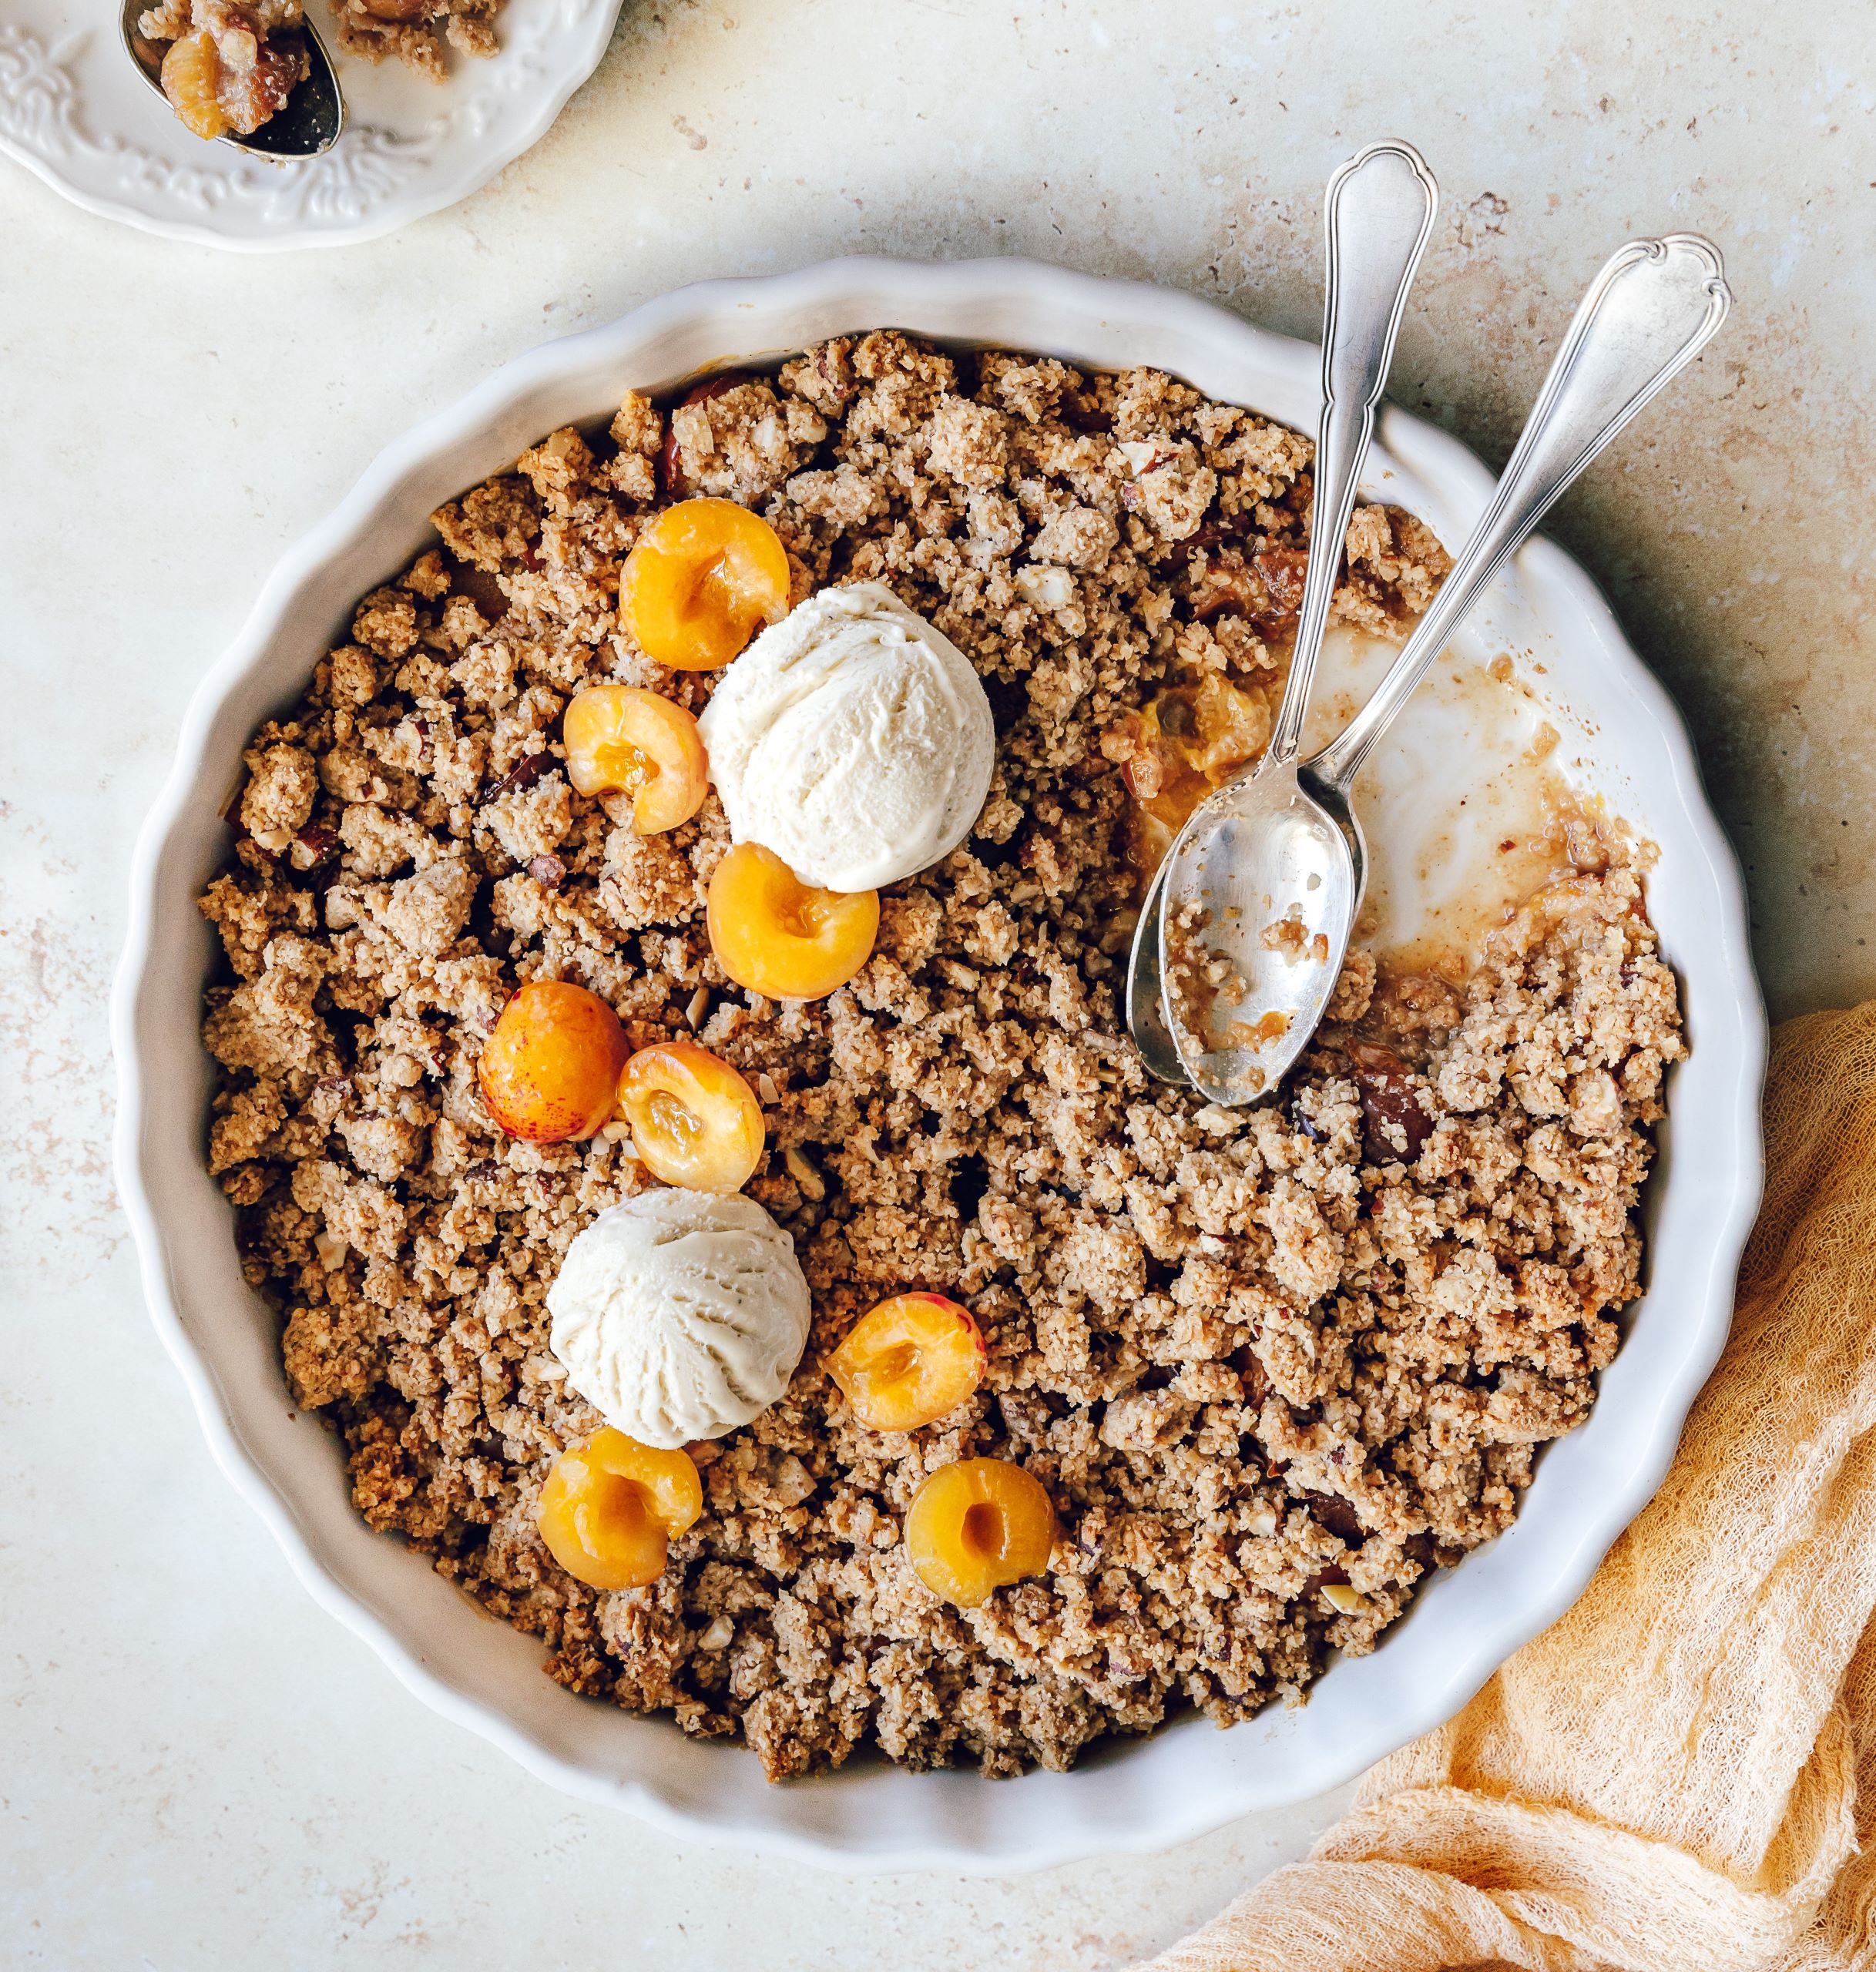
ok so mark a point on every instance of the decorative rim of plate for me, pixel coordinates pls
(372, 182)
(1137, 1796)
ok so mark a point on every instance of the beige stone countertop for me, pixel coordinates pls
(200, 1768)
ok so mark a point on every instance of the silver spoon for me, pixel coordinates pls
(307, 125)
(1378, 215)
(1258, 852)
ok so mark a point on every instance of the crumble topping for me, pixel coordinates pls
(1272, 1364)
(413, 31)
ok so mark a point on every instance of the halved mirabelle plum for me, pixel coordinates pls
(622, 741)
(695, 1121)
(976, 1526)
(780, 936)
(610, 1509)
(702, 579)
(550, 1071)
(908, 1362)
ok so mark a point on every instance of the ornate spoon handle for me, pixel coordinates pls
(1378, 214)
(1653, 307)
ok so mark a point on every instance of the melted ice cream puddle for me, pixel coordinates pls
(1463, 805)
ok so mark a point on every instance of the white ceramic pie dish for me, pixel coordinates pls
(1132, 1795)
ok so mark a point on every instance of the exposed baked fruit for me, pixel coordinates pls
(908, 1362)
(780, 936)
(226, 77)
(1187, 741)
(702, 579)
(976, 1526)
(1396, 1122)
(622, 740)
(673, 476)
(550, 1070)
(610, 1509)
(697, 1122)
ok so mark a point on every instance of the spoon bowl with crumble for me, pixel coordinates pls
(254, 76)
(1261, 888)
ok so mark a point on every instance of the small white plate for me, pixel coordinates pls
(73, 108)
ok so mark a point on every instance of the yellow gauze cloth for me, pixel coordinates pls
(1682, 1773)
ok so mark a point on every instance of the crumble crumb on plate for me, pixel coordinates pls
(413, 31)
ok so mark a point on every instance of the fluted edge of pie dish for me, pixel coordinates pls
(1132, 1795)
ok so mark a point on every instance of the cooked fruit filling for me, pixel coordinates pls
(1187, 741)
(230, 65)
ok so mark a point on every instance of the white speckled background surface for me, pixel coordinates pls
(198, 1769)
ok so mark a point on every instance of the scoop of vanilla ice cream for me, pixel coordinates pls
(853, 738)
(680, 1314)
